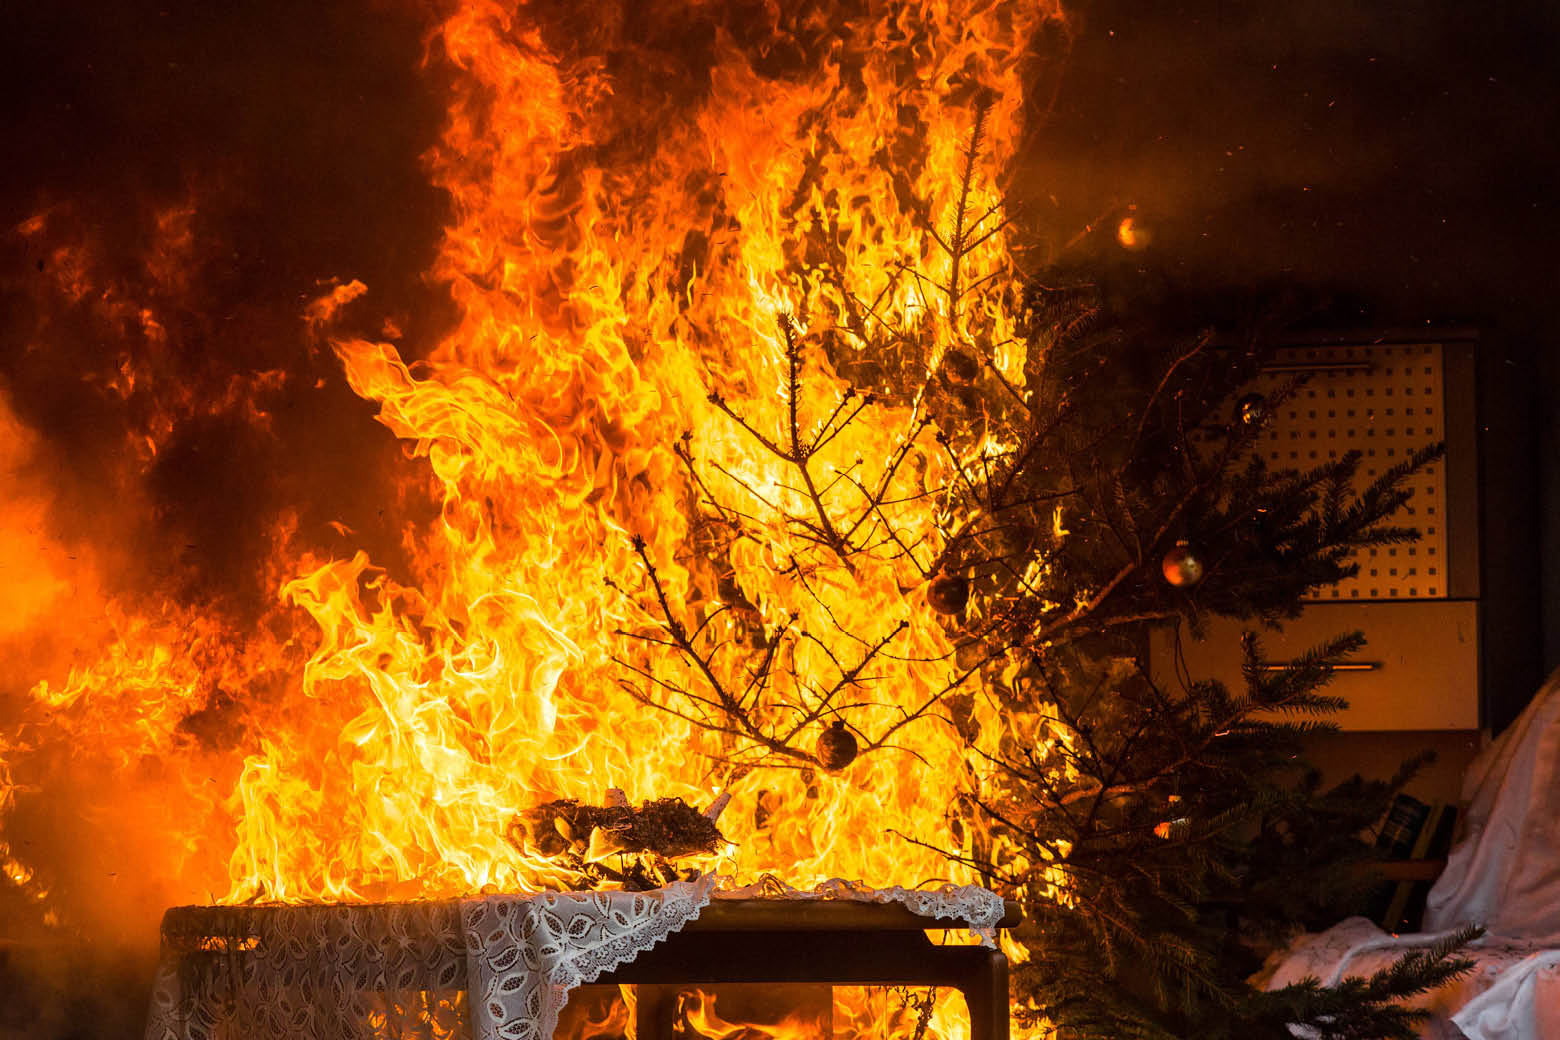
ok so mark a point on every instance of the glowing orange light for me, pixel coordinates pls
(615, 256)
(1131, 234)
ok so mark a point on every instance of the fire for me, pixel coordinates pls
(776, 1012)
(608, 285)
(630, 213)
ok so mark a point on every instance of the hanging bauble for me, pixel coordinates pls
(836, 747)
(1132, 234)
(1181, 568)
(1252, 410)
(1168, 828)
(959, 368)
(947, 593)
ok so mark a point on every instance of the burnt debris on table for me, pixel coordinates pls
(618, 845)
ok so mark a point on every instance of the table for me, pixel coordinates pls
(501, 967)
(836, 942)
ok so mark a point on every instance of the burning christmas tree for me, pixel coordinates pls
(756, 461)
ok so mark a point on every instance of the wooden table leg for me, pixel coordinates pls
(986, 998)
(655, 1011)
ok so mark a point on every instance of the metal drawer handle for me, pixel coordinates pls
(1352, 666)
(1317, 366)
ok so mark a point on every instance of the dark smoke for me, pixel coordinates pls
(293, 133)
(1399, 157)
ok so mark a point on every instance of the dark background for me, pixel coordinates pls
(1401, 153)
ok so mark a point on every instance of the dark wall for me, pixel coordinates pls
(1373, 164)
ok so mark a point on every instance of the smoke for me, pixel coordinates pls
(1398, 156)
(196, 180)
(185, 178)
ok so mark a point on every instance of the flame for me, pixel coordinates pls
(731, 1013)
(607, 285)
(698, 1012)
(626, 224)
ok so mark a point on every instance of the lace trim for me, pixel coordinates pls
(525, 953)
(979, 908)
(496, 967)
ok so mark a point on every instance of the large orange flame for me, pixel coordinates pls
(627, 223)
(610, 276)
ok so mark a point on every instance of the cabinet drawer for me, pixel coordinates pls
(1423, 657)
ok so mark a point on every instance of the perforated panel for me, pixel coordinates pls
(1387, 401)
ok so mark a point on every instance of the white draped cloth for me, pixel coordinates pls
(491, 967)
(1503, 875)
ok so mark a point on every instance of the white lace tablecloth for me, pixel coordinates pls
(491, 967)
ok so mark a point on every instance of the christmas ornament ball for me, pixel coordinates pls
(1181, 567)
(836, 747)
(959, 368)
(1252, 409)
(948, 593)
